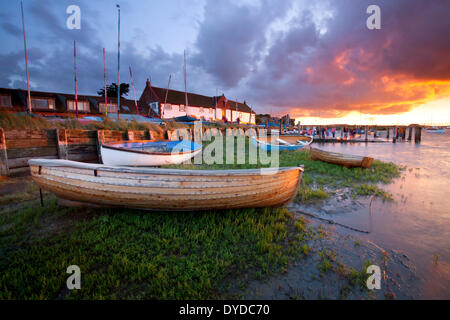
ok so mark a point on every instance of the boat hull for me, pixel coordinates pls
(121, 155)
(165, 189)
(266, 143)
(435, 130)
(346, 160)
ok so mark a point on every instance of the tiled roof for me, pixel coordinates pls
(178, 97)
(152, 94)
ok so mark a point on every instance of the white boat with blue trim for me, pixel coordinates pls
(140, 153)
(284, 142)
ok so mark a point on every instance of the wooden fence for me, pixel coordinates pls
(19, 146)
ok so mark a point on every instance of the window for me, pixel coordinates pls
(82, 105)
(155, 107)
(112, 107)
(5, 101)
(181, 108)
(42, 103)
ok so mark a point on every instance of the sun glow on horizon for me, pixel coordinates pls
(435, 112)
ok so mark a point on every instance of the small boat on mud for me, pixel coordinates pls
(346, 160)
(435, 130)
(284, 142)
(87, 184)
(148, 152)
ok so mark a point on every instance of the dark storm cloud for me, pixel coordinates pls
(347, 67)
(293, 67)
(51, 60)
(231, 38)
(11, 29)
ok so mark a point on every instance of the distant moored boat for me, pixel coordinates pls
(284, 142)
(435, 130)
(346, 160)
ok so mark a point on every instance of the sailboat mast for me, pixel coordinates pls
(168, 87)
(75, 67)
(185, 84)
(118, 64)
(134, 92)
(104, 76)
(26, 60)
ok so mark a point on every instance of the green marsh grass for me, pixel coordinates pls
(133, 254)
(124, 253)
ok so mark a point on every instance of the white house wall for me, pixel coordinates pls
(206, 113)
(218, 114)
(228, 114)
(171, 111)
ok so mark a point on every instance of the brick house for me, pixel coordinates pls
(63, 104)
(170, 103)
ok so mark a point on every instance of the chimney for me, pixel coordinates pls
(148, 82)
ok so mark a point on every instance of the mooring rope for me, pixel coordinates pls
(331, 221)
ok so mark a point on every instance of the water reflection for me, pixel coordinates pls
(418, 221)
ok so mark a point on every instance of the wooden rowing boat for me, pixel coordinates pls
(148, 152)
(435, 130)
(346, 160)
(76, 183)
(284, 142)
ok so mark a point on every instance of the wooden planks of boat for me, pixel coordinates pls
(165, 189)
(347, 160)
(148, 152)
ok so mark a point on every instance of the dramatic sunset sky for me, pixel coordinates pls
(313, 59)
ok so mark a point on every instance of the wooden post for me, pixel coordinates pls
(342, 132)
(4, 168)
(281, 127)
(388, 130)
(267, 125)
(404, 134)
(374, 132)
(394, 135)
(418, 134)
(366, 132)
(61, 137)
(100, 139)
(409, 133)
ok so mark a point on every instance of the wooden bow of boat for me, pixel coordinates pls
(346, 160)
(166, 189)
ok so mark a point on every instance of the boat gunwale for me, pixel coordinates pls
(341, 158)
(122, 149)
(160, 171)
